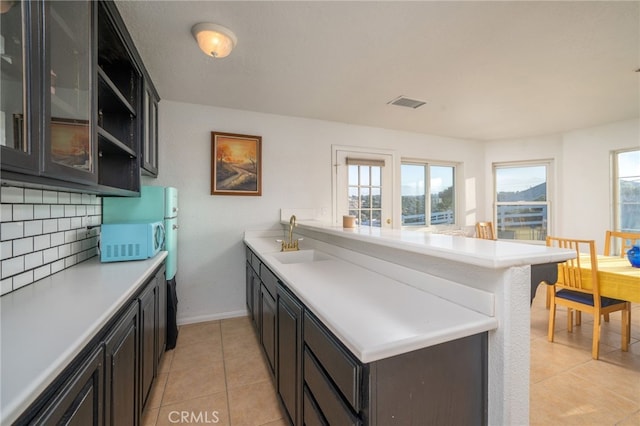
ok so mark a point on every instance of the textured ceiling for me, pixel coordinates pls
(487, 70)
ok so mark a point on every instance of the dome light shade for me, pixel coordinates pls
(213, 39)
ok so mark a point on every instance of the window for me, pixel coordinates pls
(522, 201)
(365, 190)
(438, 208)
(363, 185)
(627, 191)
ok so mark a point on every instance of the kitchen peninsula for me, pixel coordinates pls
(383, 294)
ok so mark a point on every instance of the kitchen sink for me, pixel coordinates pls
(301, 256)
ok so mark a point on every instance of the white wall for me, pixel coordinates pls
(297, 171)
(582, 190)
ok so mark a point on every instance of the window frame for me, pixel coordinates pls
(615, 180)
(549, 180)
(427, 164)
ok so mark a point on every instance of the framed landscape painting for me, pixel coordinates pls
(236, 164)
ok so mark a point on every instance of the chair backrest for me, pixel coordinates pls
(484, 230)
(570, 272)
(626, 241)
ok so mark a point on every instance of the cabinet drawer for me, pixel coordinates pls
(312, 415)
(269, 280)
(255, 261)
(344, 370)
(327, 399)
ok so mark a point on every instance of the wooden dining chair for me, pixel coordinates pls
(625, 240)
(484, 231)
(569, 291)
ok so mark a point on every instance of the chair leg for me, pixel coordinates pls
(552, 321)
(550, 288)
(606, 317)
(626, 327)
(628, 322)
(595, 350)
(578, 318)
(570, 320)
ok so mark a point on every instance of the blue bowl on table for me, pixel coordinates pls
(634, 256)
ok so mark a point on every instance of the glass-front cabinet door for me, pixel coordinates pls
(70, 145)
(18, 134)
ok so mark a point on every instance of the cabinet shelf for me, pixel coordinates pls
(115, 92)
(111, 144)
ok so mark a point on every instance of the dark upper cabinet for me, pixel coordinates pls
(69, 144)
(149, 152)
(19, 106)
(78, 109)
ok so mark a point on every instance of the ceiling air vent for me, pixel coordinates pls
(403, 101)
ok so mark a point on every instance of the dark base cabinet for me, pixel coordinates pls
(289, 366)
(122, 357)
(108, 383)
(81, 400)
(320, 382)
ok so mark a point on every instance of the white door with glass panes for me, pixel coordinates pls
(364, 187)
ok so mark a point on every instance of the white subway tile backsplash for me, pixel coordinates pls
(22, 246)
(49, 197)
(12, 266)
(43, 232)
(11, 230)
(49, 226)
(32, 227)
(70, 261)
(76, 247)
(33, 196)
(57, 210)
(10, 194)
(50, 255)
(6, 286)
(64, 224)
(64, 198)
(57, 266)
(57, 239)
(76, 222)
(70, 236)
(76, 198)
(41, 242)
(41, 272)
(41, 211)
(23, 211)
(6, 249)
(22, 280)
(33, 260)
(64, 250)
(6, 212)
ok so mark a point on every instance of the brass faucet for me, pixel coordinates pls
(291, 245)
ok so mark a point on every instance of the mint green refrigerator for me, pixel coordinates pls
(156, 203)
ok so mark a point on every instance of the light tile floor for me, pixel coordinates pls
(217, 375)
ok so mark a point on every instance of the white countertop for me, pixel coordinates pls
(46, 324)
(473, 251)
(376, 317)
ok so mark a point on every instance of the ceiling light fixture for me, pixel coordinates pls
(214, 40)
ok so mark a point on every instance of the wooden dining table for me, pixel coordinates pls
(618, 279)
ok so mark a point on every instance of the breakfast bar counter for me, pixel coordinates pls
(386, 292)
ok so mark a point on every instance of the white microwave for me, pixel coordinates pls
(130, 241)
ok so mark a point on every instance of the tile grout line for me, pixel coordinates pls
(224, 367)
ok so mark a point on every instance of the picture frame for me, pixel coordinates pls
(236, 164)
(71, 143)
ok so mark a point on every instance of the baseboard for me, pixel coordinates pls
(213, 317)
